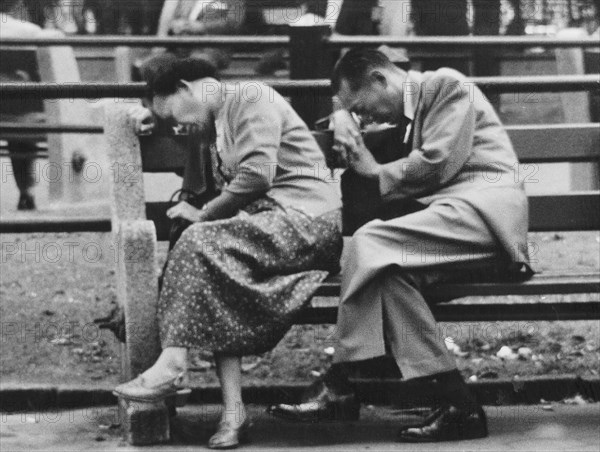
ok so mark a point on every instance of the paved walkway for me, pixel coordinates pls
(514, 428)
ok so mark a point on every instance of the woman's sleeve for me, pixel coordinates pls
(257, 130)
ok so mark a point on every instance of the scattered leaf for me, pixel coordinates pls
(247, 367)
(506, 352)
(576, 400)
(454, 348)
(590, 347)
(525, 352)
(488, 374)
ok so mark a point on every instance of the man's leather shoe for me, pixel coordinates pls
(450, 424)
(323, 404)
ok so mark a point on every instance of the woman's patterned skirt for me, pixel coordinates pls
(233, 286)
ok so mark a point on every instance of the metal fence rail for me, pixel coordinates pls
(319, 87)
(20, 127)
(460, 43)
(146, 41)
(334, 42)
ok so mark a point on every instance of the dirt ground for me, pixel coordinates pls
(53, 286)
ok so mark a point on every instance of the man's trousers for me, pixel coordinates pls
(384, 268)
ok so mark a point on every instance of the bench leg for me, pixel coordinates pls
(24, 172)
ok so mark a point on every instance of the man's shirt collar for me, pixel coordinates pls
(411, 91)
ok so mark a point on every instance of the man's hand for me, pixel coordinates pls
(343, 125)
(185, 211)
(142, 119)
(360, 158)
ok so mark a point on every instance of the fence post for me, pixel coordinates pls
(310, 59)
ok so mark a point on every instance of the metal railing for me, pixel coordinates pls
(83, 90)
(334, 42)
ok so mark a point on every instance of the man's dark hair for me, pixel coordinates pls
(355, 65)
(164, 72)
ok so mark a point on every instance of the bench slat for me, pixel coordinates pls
(482, 312)
(163, 154)
(565, 212)
(55, 224)
(543, 284)
(533, 143)
(568, 212)
(556, 142)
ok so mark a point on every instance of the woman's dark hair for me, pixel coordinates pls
(164, 72)
(355, 65)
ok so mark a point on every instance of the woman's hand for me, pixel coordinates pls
(360, 158)
(185, 211)
(142, 119)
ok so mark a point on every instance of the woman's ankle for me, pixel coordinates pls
(234, 413)
(173, 360)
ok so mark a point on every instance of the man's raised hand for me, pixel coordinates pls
(359, 158)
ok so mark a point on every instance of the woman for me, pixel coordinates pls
(257, 252)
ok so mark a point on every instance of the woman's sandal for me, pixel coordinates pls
(173, 389)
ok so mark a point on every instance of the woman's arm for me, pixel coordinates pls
(223, 206)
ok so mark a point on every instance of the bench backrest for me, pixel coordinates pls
(533, 143)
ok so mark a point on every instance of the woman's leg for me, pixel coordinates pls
(229, 370)
(171, 362)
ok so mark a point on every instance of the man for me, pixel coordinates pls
(460, 168)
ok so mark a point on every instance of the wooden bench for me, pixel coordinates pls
(573, 211)
(137, 226)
